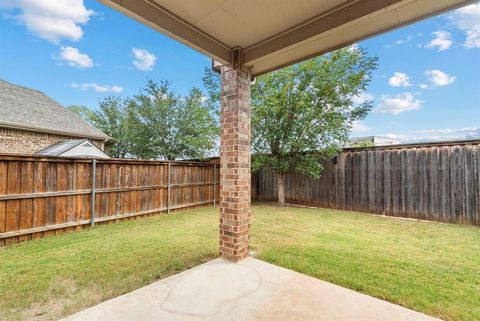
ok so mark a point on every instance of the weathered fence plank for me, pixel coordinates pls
(3, 190)
(438, 182)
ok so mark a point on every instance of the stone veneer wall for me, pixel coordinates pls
(13, 141)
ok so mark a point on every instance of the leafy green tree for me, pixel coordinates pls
(81, 111)
(171, 126)
(211, 82)
(302, 114)
(112, 117)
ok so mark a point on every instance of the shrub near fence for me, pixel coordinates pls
(43, 196)
(438, 182)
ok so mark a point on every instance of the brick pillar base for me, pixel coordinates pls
(235, 164)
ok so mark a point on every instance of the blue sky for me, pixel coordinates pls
(427, 86)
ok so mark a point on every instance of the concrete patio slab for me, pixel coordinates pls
(248, 290)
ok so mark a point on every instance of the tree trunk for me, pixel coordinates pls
(281, 189)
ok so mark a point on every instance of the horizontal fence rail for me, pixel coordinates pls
(42, 196)
(438, 182)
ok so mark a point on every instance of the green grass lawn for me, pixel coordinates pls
(55, 276)
(429, 267)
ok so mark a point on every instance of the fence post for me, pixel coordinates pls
(94, 174)
(214, 183)
(168, 189)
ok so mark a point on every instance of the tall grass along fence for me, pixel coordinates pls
(438, 182)
(44, 196)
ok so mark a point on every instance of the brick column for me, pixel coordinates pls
(235, 164)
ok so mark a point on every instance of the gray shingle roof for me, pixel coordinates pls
(60, 147)
(30, 109)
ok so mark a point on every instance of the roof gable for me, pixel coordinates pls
(76, 148)
(60, 147)
(29, 109)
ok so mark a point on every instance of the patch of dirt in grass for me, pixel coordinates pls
(64, 298)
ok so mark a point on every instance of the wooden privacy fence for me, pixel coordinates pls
(43, 196)
(438, 182)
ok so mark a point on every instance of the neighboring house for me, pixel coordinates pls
(371, 141)
(30, 121)
(73, 148)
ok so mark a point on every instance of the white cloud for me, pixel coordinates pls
(398, 104)
(399, 79)
(362, 98)
(359, 126)
(401, 41)
(467, 19)
(431, 135)
(52, 20)
(423, 86)
(74, 58)
(442, 40)
(98, 88)
(449, 130)
(143, 59)
(474, 134)
(439, 78)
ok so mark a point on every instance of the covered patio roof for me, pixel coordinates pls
(269, 34)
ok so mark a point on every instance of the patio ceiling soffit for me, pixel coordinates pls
(341, 24)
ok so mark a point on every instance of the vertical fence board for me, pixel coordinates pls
(476, 184)
(70, 200)
(3, 191)
(26, 205)
(80, 185)
(12, 206)
(39, 183)
(61, 209)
